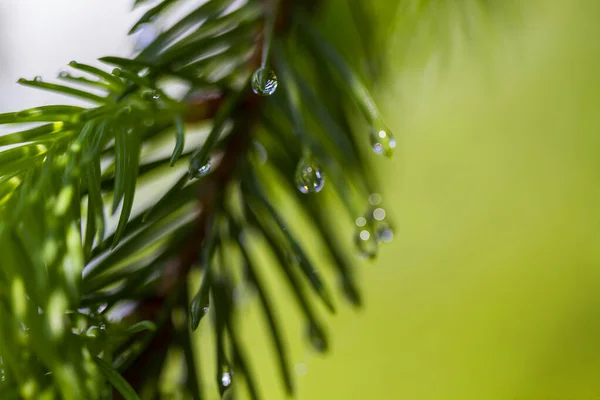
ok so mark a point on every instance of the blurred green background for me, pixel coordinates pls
(491, 288)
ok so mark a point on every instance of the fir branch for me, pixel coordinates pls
(60, 181)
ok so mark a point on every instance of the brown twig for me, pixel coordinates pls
(205, 106)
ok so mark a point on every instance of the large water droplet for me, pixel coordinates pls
(317, 338)
(382, 140)
(63, 74)
(309, 176)
(264, 82)
(38, 79)
(366, 242)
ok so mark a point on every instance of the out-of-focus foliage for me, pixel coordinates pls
(491, 288)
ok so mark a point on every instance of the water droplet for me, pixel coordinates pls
(317, 338)
(125, 111)
(225, 377)
(203, 170)
(366, 242)
(151, 95)
(63, 74)
(116, 71)
(379, 214)
(260, 151)
(382, 141)
(309, 177)
(361, 221)
(384, 233)
(38, 79)
(198, 309)
(293, 258)
(264, 82)
(375, 199)
(149, 122)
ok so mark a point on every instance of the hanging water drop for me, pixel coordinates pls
(366, 242)
(309, 176)
(151, 95)
(199, 307)
(317, 338)
(264, 82)
(225, 377)
(38, 79)
(382, 140)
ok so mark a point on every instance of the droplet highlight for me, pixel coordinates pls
(379, 214)
(264, 82)
(309, 176)
(151, 95)
(226, 377)
(199, 307)
(382, 140)
(203, 170)
(366, 242)
(375, 199)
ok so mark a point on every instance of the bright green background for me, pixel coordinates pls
(491, 289)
